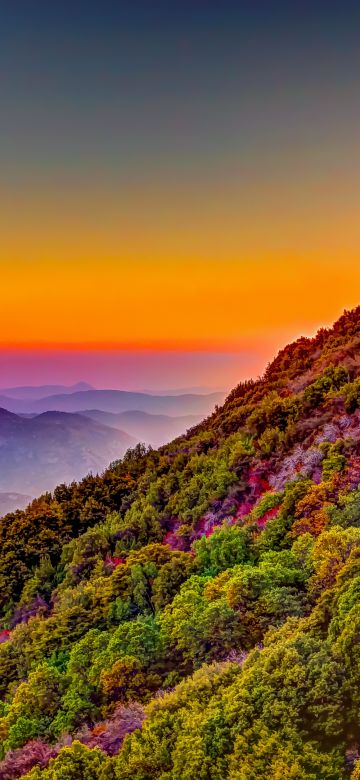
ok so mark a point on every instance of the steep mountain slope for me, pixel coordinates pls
(200, 601)
(153, 429)
(38, 452)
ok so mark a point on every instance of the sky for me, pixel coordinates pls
(179, 189)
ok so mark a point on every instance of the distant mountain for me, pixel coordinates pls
(11, 501)
(39, 452)
(41, 391)
(154, 429)
(117, 401)
(197, 390)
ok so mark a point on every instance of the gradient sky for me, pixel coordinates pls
(176, 178)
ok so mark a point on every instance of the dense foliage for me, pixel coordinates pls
(193, 613)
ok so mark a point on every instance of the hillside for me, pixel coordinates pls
(38, 452)
(193, 612)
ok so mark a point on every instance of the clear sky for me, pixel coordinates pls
(176, 177)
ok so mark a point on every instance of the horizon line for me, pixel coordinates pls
(147, 346)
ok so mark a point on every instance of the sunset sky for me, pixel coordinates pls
(180, 186)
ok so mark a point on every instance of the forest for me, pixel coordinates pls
(192, 613)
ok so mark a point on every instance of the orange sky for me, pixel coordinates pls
(177, 180)
(181, 272)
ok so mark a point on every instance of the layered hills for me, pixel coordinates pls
(35, 392)
(38, 452)
(193, 611)
(114, 401)
(152, 429)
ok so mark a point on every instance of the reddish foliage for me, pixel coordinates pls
(174, 539)
(258, 482)
(351, 476)
(270, 513)
(109, 735)
(18, 762)
(244, 509)
(257, 485)
(112, 561)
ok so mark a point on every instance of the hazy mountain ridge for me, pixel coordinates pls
(37, 453)
(202, 598)
(153, 429)
(26, 392)
(116, 401)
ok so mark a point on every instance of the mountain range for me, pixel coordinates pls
(153, 429)
(114, 401)
(32, 392)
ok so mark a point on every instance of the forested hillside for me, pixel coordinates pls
(193, 613)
